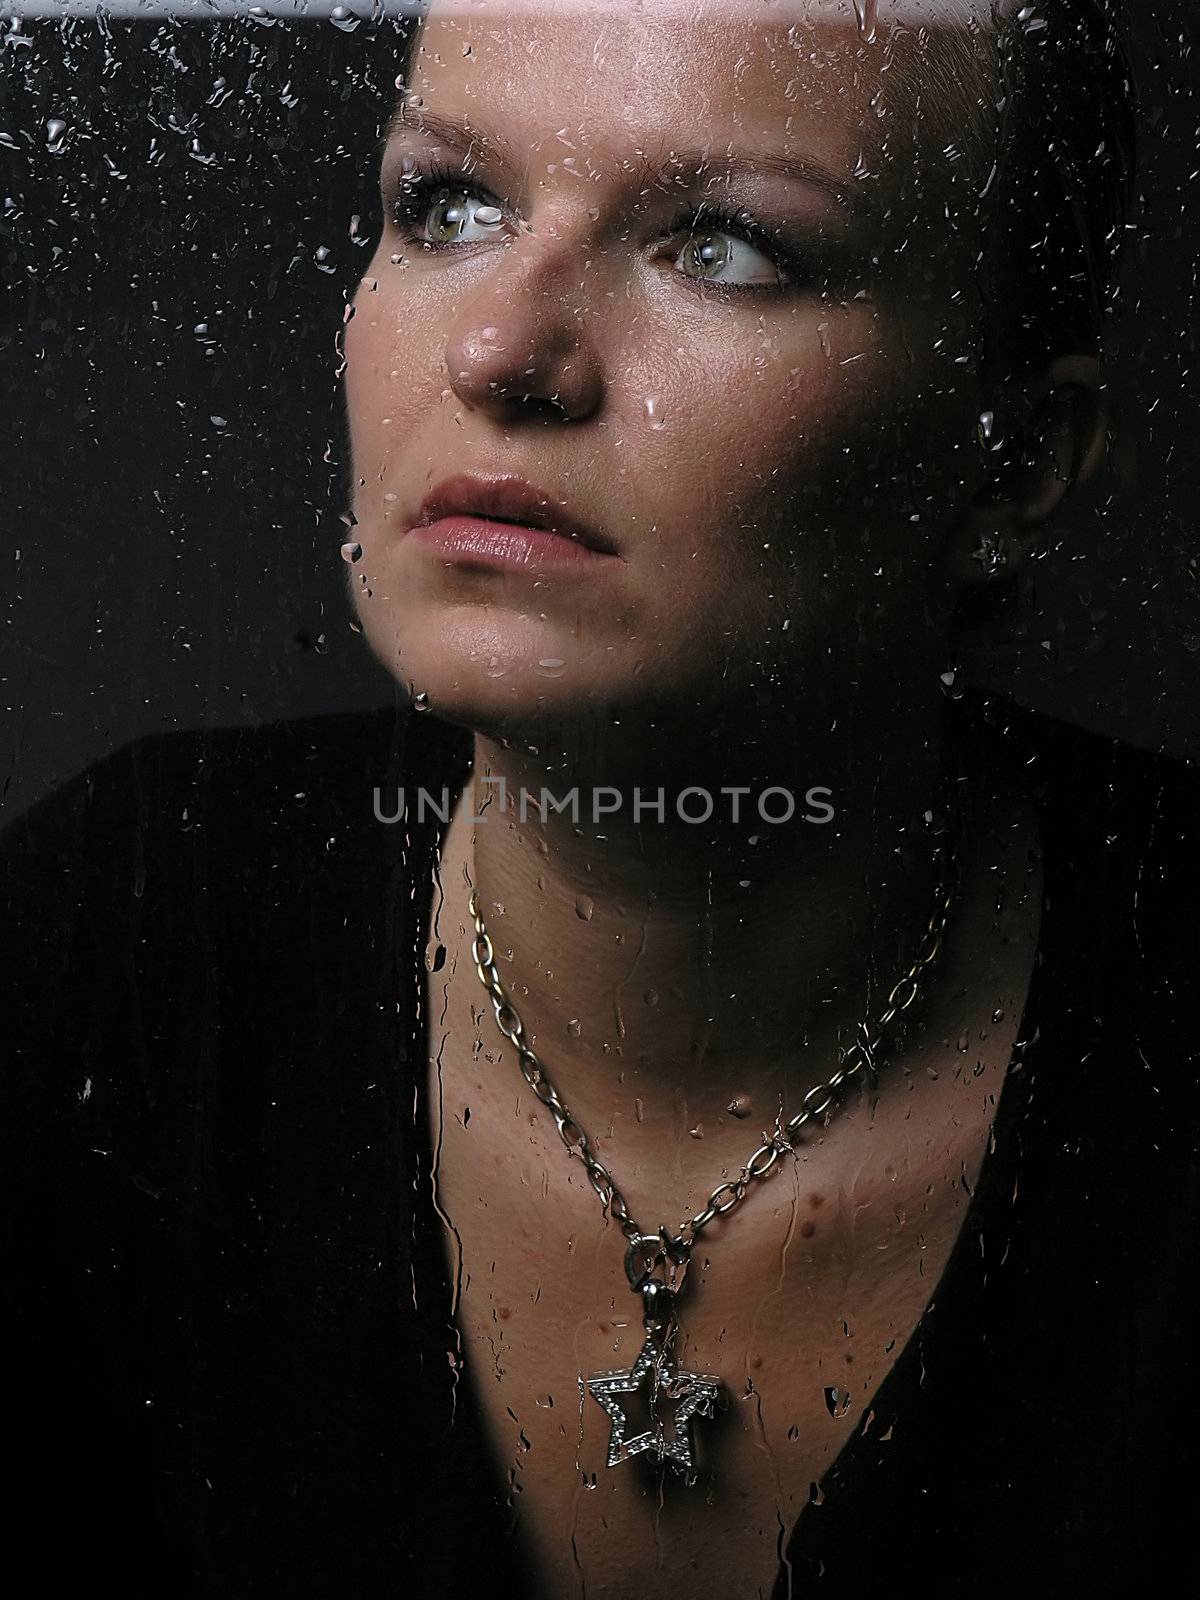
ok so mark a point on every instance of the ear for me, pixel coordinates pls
(1057, 441)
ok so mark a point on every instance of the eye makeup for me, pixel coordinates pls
(806, 256)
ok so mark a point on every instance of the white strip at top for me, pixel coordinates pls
(861, 12)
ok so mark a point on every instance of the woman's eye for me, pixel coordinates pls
(716, 256)
(447, 215)
(434, 212)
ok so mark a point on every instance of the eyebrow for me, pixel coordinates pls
(458, 132)
(462, 135)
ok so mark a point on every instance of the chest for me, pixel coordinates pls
(799, 1306)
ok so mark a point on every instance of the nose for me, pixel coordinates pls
(525, 337)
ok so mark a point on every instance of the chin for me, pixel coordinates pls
(495, 671)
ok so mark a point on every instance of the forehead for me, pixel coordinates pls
(865, 15)
(866, 81)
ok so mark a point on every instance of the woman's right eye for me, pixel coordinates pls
(435, 214)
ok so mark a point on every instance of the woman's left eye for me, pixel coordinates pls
(727, 259)
(436, 214)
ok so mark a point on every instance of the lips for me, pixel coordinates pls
(513, 500)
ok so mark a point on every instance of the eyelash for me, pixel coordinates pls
(417, 189)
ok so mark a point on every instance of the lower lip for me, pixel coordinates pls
(504, 546)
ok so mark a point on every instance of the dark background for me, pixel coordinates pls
(185, 208)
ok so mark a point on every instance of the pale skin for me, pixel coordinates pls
(793, 516)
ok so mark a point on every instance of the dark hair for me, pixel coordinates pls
(1058, 203)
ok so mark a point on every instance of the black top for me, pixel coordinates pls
(235, 1371)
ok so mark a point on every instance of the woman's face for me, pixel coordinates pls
(696, 275)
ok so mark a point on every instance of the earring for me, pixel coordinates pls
(988, 437)
(992, 555)
(950, 680)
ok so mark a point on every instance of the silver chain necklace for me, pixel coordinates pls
(655, 1263)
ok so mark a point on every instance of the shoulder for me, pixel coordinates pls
(259, 794)
(1098, 797)
(159, 777)
(193, 888)
(1119, 831)
(1120, 822)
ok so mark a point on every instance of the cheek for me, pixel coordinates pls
(382, 348)
(783, 426)
(362, 385)
(798, 474)
(361, 340)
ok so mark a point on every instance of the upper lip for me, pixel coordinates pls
(509, 499)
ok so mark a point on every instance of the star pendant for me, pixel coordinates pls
(655, 1373)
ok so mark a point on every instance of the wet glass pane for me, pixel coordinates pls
(598, 814)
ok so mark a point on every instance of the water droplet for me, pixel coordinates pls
(739, 1106)
(697, 1132)
(420, 701)
(56, 130)
(865, 12)
(584, 907)
(551, 666)
(837, 1401)
(343, 18)
(574, 1028)
(653, 408)
(351, 552)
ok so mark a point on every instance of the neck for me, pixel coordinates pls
(678, 968)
